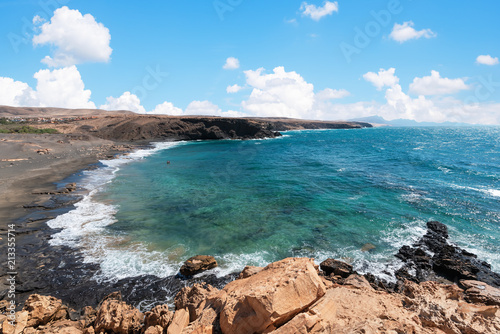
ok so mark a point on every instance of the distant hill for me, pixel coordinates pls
(403, 122)
(6, 111)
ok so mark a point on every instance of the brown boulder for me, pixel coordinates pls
(198, 264)
(61, 327)
(271, 297)
(357, 281)
(336, 267)
(158, 316)
(179, 322)
(194, 299)
(479, 292)
(118, 317)
(43, 309)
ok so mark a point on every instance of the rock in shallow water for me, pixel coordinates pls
(198, 264)
(433, 257)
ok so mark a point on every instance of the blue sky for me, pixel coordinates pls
(314, 59)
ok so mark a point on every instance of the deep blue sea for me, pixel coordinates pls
(328, 193)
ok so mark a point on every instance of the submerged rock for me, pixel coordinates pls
(198, 264)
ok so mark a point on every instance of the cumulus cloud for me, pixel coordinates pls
(233, 89)
(76, 38)
(12, 93)
(206, 108)
(404, 32)
(316, 13)
(382, 78)
(332, 94)
(436, 85)
(487, 60)
(279, 93)
(231, 64)
(61, 88)
(166, 108)
(126, 101)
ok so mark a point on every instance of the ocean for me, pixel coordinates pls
(357, 195)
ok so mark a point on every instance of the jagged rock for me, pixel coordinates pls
(479, 292)
(117, 316)
(442, 307)
(88, 315)
(198, 264)
(43, 309)
(448, 261)
(332, 266)
(179, 322)
(158, 316)
(271, 297)
(193, 299)
(249, 271)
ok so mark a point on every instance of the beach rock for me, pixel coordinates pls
(43, 309)
(158, 316)
(118, 317)
(271, 297)
(433, 258)
(249, 271)
(332, 266)
(198, 264)
(179, 322)
(479, 292)
(193, 299)
(88, 315)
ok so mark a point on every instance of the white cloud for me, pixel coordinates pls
(280, 93)
(436, 85)
(126, 101)
(76, 38)
(206, 108)
(61, 88)
(487, 60)
(404, 32)
(12, 92)
(316, 13)
(231, 64)
(331, 94)
(166, 108)
(382, 78)
(233, 89)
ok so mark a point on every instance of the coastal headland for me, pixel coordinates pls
(440, 288)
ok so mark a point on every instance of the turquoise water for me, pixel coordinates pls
(310, 193)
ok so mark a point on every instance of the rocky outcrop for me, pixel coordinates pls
(432, 258)
(287, 296)
(118, 317)
(197, 264)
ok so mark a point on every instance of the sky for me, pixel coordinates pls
(424, 60)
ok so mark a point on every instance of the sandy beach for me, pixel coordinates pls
(32, 163)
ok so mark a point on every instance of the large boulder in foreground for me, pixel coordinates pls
(198, 264)
(116, 316)
(271, 297)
